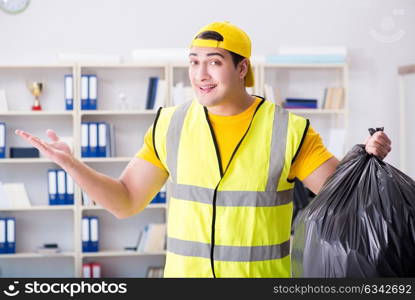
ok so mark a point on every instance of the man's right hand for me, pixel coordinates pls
(56, 150)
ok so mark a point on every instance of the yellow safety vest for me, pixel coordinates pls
(233, 222)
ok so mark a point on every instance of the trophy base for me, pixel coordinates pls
(38, 107)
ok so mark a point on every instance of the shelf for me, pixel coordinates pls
(52, 66)
(37, 255)
(124, 66)
(108, 253)
(41, 208)
(150, 206)
(316, 111)
(36, 113)
(305, 66)
(118, 112)
(105, 159)
(24, 160)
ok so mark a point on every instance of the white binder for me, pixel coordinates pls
(86, 271)
(52, 187)
(69, 189)
(93, 139)
(2, 140)
(84, 92)
(2, 235)
(69, 92)
(84, 139)
(102, 139)
(96, 271)
(93, 91)
(85, 230)
(61, 186)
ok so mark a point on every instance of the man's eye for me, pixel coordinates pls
(214, 62)
(192, 63)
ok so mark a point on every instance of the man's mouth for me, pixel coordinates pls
(207, 88)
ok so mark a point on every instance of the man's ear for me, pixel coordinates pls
(243, 68)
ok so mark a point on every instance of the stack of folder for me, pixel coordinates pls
(90, 231)
(61, 187)
(97, 139)
(89, 92)
(91, 270)
(7, 235)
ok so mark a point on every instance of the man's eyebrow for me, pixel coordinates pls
(215, 53)
(209, 54)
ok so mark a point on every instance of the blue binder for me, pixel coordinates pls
(90, 234)
(11, 235)
(92, 92)
(84, 92)
(69, 92)
(3, 234)
(93, 139)
(69, 196)
(102, 139)
(85, 234)
(94, 232)
(52, 187)
(2, 140)
(61, 190)
(85, 139)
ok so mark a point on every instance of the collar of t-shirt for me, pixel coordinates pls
(242, 117)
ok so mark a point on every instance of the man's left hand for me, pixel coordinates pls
(378, 144)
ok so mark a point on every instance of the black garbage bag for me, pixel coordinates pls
(361, 224)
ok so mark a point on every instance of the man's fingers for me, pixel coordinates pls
(52, 135)
(22, 133)
(378, 151)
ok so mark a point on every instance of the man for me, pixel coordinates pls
(231, 159)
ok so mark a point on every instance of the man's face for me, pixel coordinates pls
(213, 75)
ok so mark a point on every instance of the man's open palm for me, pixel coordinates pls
(56, 150)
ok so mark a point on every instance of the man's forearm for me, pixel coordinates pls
(110, 193)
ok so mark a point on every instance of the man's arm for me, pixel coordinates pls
(123, 197)
(315, 181)
(143, 181)
(378, 144)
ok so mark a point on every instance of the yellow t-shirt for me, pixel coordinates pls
(229, 131)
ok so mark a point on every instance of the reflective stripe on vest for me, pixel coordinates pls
(214, 226)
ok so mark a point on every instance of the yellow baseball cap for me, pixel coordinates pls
(234, 39)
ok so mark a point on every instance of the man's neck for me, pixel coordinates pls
(233, 106)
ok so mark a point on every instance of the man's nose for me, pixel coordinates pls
(202, 73)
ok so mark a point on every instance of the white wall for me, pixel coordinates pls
(48, 27)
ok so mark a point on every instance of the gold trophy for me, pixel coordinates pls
(36, 89)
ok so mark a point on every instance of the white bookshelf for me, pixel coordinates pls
(42, 223)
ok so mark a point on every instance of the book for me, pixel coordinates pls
(269, 93)
(151, 92)
(15, 195)
(300, 103)
(153, 238)
(333, 98)
(161, 94)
